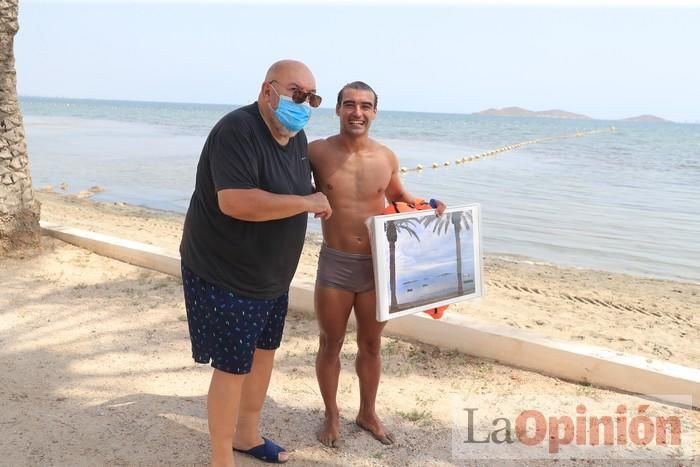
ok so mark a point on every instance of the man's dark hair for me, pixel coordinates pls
(360, 86)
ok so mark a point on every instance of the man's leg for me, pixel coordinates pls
(333, 308)
(253, 395)
(368, 364)
(222, 408)
(258, 380)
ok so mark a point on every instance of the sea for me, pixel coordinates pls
(616, 196)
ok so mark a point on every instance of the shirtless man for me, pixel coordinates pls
(356, 174)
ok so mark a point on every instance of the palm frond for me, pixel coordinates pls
(439, 224)
(409, 230)
(405, 225)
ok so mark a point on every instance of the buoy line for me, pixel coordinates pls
(511, 147)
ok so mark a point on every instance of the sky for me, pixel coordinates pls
(606, 62)
(411, 254)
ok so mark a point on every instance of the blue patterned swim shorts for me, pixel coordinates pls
(226, 328)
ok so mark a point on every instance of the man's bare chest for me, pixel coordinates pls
(361, 179)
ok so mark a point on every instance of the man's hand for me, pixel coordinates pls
(440, 206)
(318, 204)
(436, 204)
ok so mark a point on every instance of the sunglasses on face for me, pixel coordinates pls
(299, 96)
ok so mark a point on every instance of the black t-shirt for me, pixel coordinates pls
(251, 259)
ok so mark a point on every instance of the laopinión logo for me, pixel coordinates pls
(546, 426)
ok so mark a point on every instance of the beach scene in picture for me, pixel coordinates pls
(425, 261)
(550, 317)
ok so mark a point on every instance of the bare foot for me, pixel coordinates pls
(329, 433)
(375, 427)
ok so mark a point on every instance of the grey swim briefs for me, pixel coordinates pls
(346, 271)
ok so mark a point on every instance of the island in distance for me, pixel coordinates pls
(556, 113)
(520, 112)
(645, 118)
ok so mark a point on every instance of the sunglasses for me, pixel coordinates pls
(299, 96)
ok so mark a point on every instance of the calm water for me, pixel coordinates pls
(626, 201)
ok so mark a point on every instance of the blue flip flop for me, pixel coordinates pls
(268, 451)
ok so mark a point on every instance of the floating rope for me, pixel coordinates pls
(493, 152)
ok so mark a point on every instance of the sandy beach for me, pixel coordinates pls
(97, 369)
(650, 317)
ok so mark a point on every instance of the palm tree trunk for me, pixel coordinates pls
(392, 236)
(19, 211)
(392, 275)
(458, 247)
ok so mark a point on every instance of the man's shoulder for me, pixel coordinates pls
(240, 120)
(319, 146)
(243, 117)
(380, 149)
(321, 142)
(239, 124)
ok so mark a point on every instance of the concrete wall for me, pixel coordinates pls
(523, 349)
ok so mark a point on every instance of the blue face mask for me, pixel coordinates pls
(290, 114)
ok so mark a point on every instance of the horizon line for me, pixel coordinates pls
(475, 113)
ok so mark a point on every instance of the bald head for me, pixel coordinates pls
(288, 72)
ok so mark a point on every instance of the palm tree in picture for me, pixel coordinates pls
(460, 220)
(19, 211)
(392, 235)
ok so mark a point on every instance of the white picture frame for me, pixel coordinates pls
(424, 258)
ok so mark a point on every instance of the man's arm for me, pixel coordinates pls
(315, 151)
(395, 192)
(258, 205)
(250, 203)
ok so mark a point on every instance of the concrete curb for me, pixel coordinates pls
(567, 360)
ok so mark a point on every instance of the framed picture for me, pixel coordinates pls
(422, 261)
